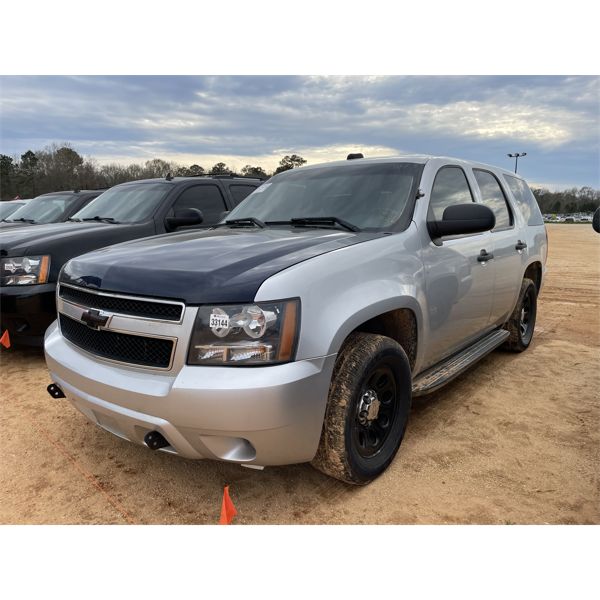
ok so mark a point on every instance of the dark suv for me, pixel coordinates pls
(55, 207)
(31, 257)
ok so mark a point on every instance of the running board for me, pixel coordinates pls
(444, 372)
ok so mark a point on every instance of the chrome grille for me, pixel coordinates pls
(125, 305)
(118, 346)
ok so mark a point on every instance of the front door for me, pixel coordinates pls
(459, 284)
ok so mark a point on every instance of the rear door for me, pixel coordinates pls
(459, 286)
(508, 253)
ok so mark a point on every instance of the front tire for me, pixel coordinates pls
(367, 410)
(521, 324)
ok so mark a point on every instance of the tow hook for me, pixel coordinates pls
(55, 391)
(155, 440)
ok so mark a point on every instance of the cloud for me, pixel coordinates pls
(257, 119)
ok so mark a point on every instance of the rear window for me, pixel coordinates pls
(525, 200)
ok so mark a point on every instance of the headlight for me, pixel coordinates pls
(24, 270)
(250, 334)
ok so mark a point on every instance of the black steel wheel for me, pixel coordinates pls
(375, 412)
(367, 411)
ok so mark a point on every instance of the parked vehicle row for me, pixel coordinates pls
(55, 207)
(8, 207)
(31, 257)
(298, 328)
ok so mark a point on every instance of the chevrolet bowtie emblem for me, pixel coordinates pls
(94, 318)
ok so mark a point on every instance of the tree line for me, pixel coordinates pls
(59, 167)
(574, 200)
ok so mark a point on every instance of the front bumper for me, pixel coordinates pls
(254, 415)
(27, 311)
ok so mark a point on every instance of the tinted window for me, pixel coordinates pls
(450, 187)
(493, 197)
(126, 203)
(207, 198)
(44, 209)
(526, 200)
(239, 192)
(372, 196)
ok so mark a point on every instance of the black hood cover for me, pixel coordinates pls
(220, 265)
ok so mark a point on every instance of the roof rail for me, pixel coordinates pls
(231, 176)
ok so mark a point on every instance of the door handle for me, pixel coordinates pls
(484, 256)
(520, 246)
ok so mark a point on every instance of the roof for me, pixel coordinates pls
(412, 158)
(72, 192)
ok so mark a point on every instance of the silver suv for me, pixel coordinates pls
(300, 328)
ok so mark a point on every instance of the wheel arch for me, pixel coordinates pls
(399, 320)
(534, 272)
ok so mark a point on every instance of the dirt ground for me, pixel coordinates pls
(515, 440)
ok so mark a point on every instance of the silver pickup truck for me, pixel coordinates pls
(300, 327)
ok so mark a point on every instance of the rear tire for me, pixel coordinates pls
(521, 324)
(367, 410)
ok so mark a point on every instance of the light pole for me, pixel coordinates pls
(516, 156)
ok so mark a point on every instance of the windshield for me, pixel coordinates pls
(128, 203)
(369, 196)
(44, 209)
(8, 208)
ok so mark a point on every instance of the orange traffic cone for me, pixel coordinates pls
(227, 508)
(5, 339)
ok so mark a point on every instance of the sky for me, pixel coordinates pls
(258, 119)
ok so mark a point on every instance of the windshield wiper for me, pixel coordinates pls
(22, 220)
(74, 219)
(244, 222)
(316, 222)
(103, 219)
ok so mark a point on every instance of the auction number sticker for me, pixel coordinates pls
(219, 321)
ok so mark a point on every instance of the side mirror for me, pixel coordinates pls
(461, 219)
(596, 220)
(183, 217)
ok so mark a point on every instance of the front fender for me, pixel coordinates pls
(344, 288)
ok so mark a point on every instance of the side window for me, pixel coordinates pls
(493, 197)
(450, 187)
(525, 200)
(239, 192)
(207, 198)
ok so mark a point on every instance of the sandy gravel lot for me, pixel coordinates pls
(515, 440)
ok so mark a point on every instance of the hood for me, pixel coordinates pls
(219, 265)
(14, 240)
(63, 241)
